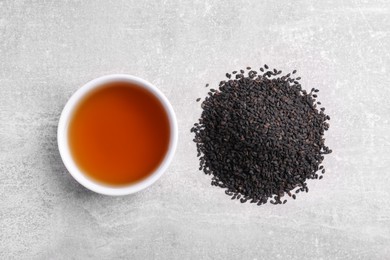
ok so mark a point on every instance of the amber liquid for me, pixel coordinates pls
(119, 134)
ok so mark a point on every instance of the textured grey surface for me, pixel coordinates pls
(50, 48)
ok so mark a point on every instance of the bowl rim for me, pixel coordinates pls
(63, 144)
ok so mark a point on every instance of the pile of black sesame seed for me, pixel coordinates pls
(261, 136)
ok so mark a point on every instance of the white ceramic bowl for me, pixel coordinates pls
(63, 144)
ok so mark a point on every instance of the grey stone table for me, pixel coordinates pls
(48, 49)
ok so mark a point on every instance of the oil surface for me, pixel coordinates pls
(119, 134)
